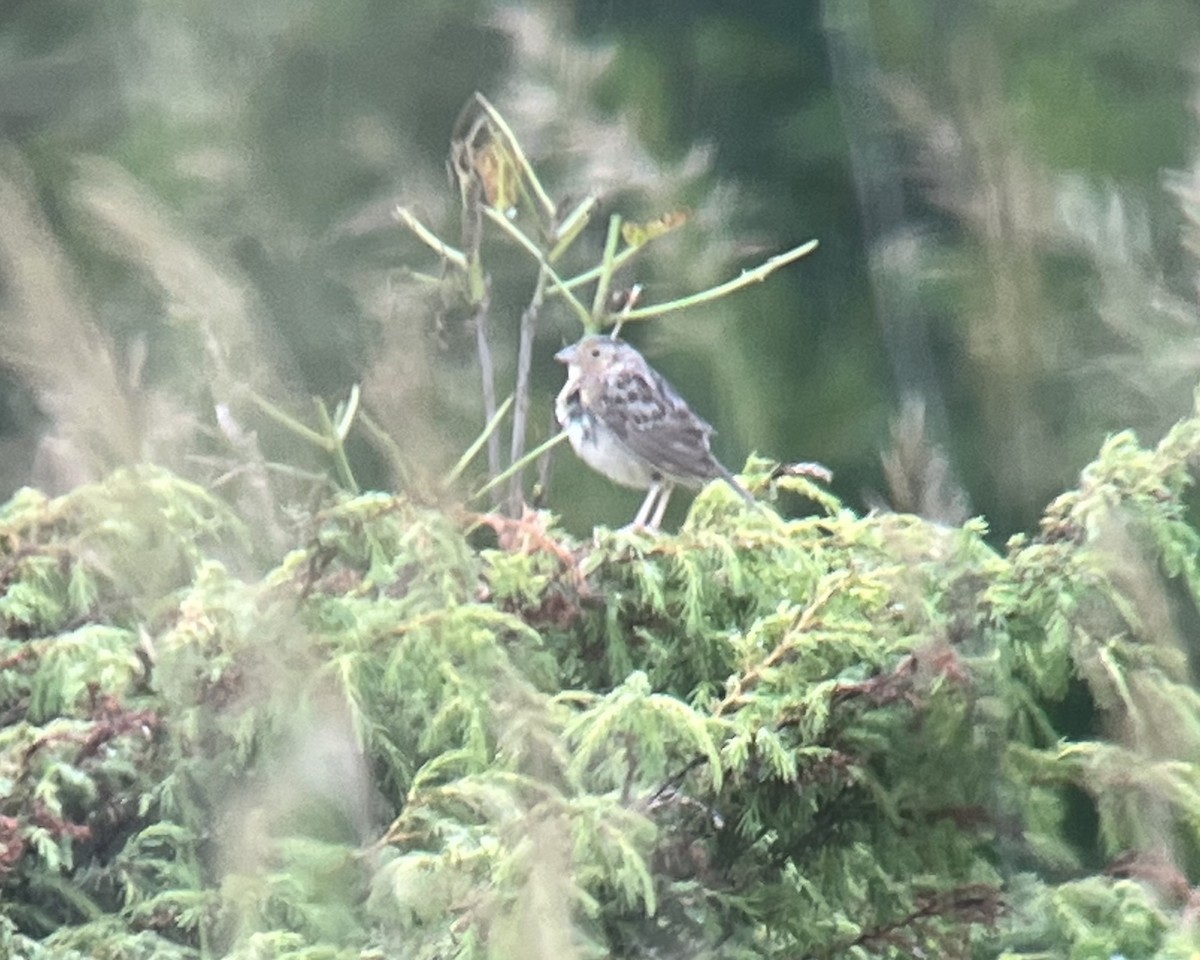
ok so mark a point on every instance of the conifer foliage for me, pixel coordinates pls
(417, 733)
(421, 735)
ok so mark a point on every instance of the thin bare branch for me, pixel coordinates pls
(529, 319)
(487, 373)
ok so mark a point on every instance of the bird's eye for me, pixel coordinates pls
(595, 351)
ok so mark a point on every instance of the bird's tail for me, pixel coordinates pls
(730, 479)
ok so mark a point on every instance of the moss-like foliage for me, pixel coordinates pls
(423, 735)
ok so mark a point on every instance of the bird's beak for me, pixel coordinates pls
(567, 354)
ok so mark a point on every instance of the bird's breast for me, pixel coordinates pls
(602, 450)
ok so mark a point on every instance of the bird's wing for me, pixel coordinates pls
(656, 425)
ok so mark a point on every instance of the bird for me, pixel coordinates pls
(626, 421)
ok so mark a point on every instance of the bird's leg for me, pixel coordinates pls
(667, 489)
(644, 510)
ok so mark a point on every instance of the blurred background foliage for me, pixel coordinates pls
(197, 199)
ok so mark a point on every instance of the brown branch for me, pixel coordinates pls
(529, 318)
(970, 905)
(805, 620)
(487, 373)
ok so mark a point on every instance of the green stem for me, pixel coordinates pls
(757, 275)
(606, 274)
(519, 465)
(622, 258)
(336, 448)
(523, 241)
(571, 227)
(348, 413)
(477, 445)
(287, 421)
(430, 239)
(390, 448)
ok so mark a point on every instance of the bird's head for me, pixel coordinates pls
(593, 354)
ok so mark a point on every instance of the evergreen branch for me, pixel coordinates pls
(528, 533)
(71, 893)
(973, 904)
(803, 622)
(675, 780)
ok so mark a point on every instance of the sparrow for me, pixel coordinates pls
(626, 421)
